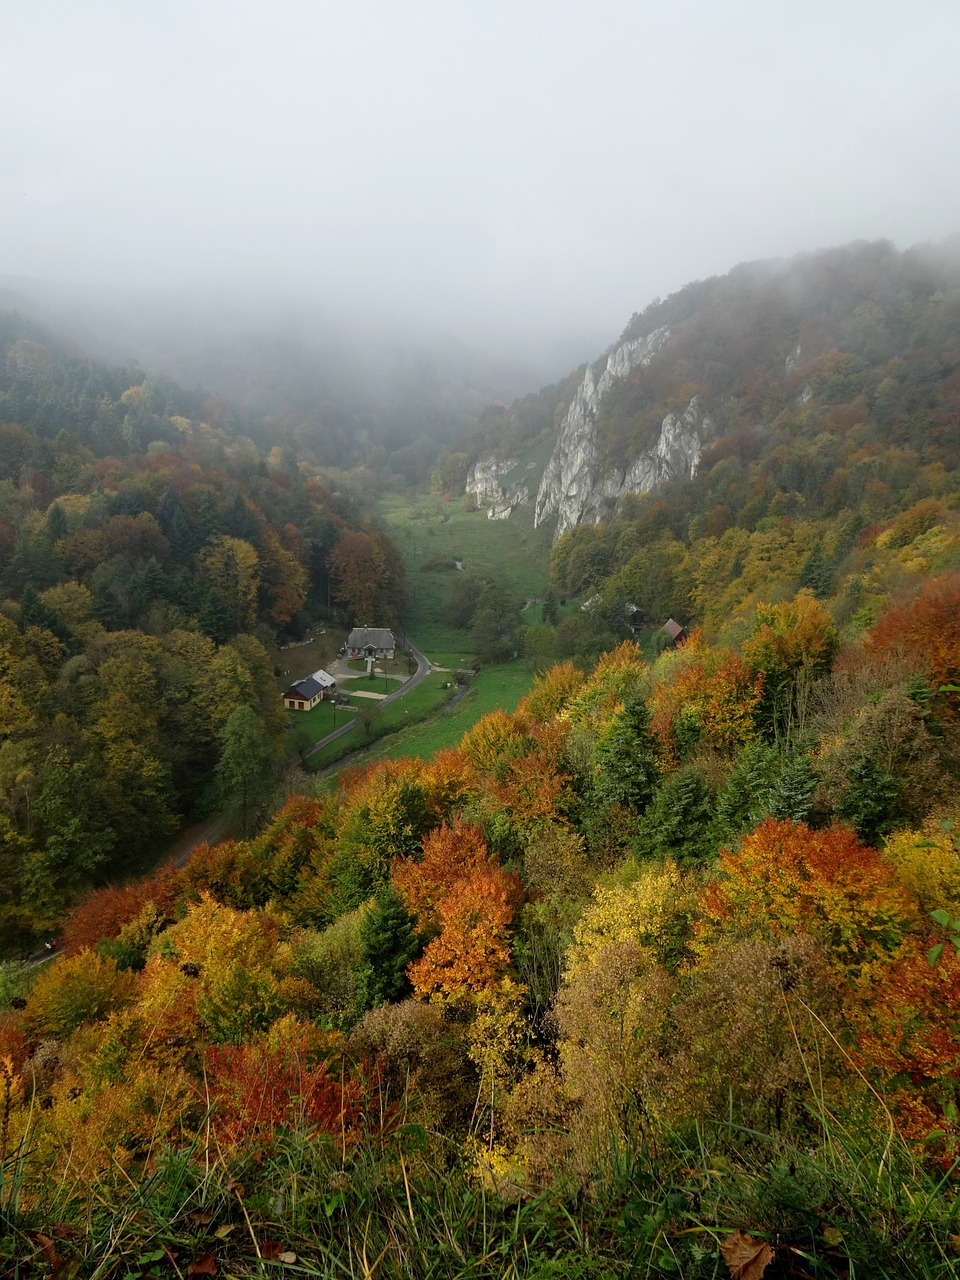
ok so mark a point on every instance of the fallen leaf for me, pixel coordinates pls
(831, 1234)
(223, 1231)
(954, 1242)
(746, 1257)
(48, 1247)
(289, 1257)
(205, 1266)
(270, 1249)
(64, 1231)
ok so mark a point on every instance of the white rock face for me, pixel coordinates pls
(505, 508)
(483, 481)
(575, 484)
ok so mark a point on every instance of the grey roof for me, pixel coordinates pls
(673, 629)
(306, 689)
(323, 678)
(379, 637)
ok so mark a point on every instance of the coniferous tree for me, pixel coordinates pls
(869, 801)
(740, 804)
(625, 764)
(791, 795)
(677, 822)
(389, 944)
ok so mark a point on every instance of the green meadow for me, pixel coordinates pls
(426, 528)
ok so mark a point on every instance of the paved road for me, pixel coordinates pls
(209, 831)
(424, 667)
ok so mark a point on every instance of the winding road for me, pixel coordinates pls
(424, 667)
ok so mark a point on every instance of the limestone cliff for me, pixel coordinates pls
(484, 482)
(576, 485)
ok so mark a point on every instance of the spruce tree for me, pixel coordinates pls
(677, 823)
(625, 764)
(389, 944)
(791, 796)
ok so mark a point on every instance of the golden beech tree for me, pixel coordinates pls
(654, 912)
(493, 739)
(551, 692)
(232, 566)
(792, 646)
(928, 864)
(710, 696)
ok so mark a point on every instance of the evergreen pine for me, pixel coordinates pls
(625, 764)
(389, 944)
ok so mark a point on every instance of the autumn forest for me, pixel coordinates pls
(655, 973)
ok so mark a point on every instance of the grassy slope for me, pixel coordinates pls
(509, 552)
(501, 687)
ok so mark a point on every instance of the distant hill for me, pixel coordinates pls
(862, 336)
(342, 391)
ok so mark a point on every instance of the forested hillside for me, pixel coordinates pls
(832, 386)
(342, 391)
(655, 970)
(150, 555)
(656, 976)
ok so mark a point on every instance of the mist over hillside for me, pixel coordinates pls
(382, 390)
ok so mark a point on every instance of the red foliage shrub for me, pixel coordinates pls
(104, 913)
(259, 1089)
(907, 1038)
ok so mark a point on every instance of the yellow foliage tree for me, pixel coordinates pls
(927, 863)
(654, 913)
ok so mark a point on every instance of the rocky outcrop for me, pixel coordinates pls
(484, 482)
(483, 479)
(576, 485)
(512, 499)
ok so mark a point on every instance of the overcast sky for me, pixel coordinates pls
(518, 166)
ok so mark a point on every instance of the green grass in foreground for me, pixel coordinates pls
(405, 1207)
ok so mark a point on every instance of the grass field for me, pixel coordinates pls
(501, 687)
(509, 552)
(310, 726)
(422, 702)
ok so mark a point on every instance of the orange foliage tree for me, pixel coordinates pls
(924, 633)
(787, 879)
(473, 947)
(459, 891)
